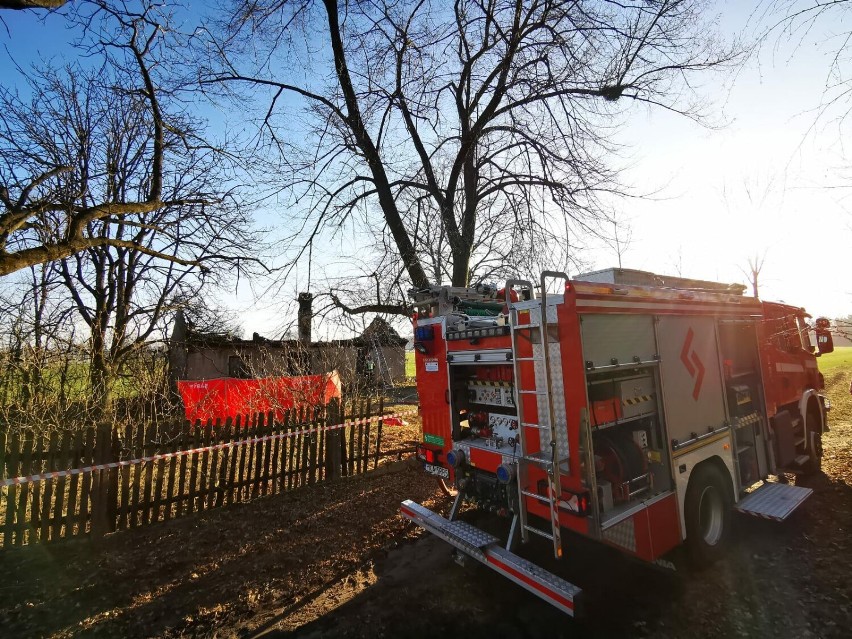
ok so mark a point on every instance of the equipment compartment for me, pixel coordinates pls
(483, 405)
(630, 459)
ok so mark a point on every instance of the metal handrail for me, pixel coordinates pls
(510, 284)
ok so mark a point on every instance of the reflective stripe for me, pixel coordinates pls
(538, 586)
(789, 368)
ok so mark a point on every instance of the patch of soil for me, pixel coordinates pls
(217, 573)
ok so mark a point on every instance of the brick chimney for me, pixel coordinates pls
(306, 312)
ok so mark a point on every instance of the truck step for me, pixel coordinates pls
(801, 460)
(773, 501)
(544, 584)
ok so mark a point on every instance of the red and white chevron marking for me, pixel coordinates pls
(393, 419)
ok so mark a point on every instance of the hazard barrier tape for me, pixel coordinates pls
(29, 479)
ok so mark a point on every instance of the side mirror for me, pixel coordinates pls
(825, 343)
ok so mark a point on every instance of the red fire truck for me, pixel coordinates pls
(638, 415)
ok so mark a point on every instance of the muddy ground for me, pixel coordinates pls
(336, 561)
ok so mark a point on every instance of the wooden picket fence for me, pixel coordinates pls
(271, 456)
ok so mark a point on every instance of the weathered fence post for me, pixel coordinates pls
(332, 441)
(379, 433)
(112, 490)
(99, 481)
(26, 461)
(12, 491)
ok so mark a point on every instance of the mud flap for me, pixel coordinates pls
(486, 549)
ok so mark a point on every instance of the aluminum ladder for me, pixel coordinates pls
(545, 459)
(381, 362)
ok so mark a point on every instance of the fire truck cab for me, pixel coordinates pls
(634, 409)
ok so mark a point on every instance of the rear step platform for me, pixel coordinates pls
(486, 548)
(774, 501)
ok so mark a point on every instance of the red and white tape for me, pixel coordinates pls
(28, 479)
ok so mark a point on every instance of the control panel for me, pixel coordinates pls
(491, 394)
(495, 430)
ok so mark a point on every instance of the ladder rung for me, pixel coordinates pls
(539, 531)
(524, 326)
(535, 495)
(539, 458)
(532, 392)
(543, 458)
(539, 426)
(529, 359)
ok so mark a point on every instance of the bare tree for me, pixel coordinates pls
(37, 349)
(122, 138)
(619, 241)
(755, 266)
(824, 21)
(49, 191)
(124, 288)
(466, 140)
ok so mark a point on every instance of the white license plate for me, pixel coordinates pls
(438, 471)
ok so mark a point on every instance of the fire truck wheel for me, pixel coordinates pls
(707, 511)
(447, 488)
(814, 465)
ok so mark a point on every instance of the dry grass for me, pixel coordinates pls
(837, 369)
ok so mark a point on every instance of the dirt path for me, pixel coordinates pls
(336, 560)
(216, 573)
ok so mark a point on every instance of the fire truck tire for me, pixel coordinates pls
(707, 511)
(814, 465)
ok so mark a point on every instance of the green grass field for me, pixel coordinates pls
(839, 360)
(836, 367)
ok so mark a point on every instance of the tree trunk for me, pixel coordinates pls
(101, 377)
(461, 262)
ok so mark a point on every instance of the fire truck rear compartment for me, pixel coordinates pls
(629, 453)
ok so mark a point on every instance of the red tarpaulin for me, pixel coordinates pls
(229, 397)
